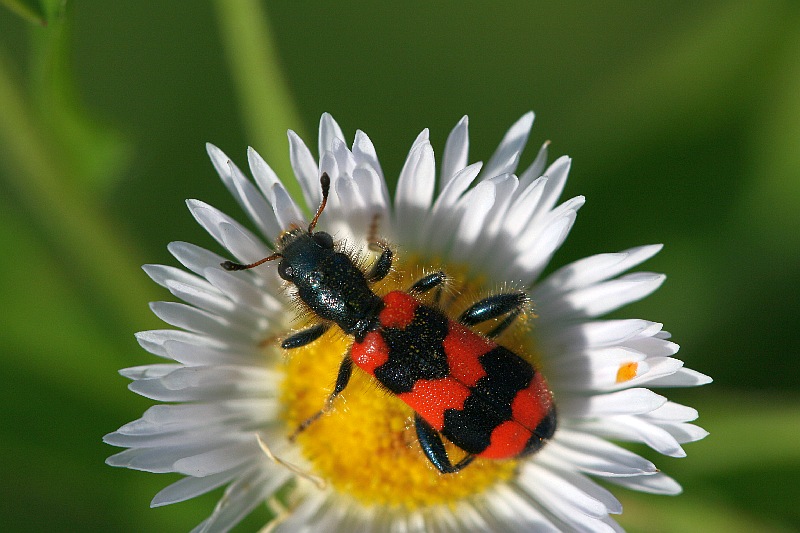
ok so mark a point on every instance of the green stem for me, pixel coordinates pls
(267, 107)
(79, 233)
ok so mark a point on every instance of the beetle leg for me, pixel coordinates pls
(431, 281)
(342, 379)
(511, 304)
(432, 445)
(382, 266)
(306, 336)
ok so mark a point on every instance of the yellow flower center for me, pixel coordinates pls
(366, 446)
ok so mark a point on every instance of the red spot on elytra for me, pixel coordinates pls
(531, 405)
(370, 353)
(463, 348)
(507, 440)
(398, 311)
(431, 397)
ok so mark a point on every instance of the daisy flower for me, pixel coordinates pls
(231, 399)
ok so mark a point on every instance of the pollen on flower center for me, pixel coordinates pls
(366, 446)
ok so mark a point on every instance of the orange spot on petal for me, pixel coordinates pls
(627, 371)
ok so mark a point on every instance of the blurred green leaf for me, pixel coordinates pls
(697, 66)
(770, 206)
(68, 219)
(746, 430)
(665, 514)
(94, 153)
(30, 10)
(266, 104)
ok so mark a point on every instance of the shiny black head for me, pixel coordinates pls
(291, 235)
(326, 280)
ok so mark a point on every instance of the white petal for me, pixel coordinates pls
(344, 158)
(268, 182)
(558, 493)
(245, 293)
(443, 219)
(193, 257)
(220, 161)
(656, 484)
(654, 346)
(305, 168)
(243, 191)
(513, 511)
(163, 419)
(505, 186)
(557, 177)
(685, 377)
(673, 412)
(263, 174)
(158, 341)
(192, 354)
(477, 204)
(373, 189)
(535, 170)
(206, 384)
(604, 297)
(456, 152)
(657, 368)
(253, 203)
(684, 433)
(535, 248)
(245, 246)
(414, 192)
(218, 460)
(624, 402)
(636, 429)
(301, 515)
(200, 321)
(241, 497)
(591, 270)
(155, 460)
(329, 131)
(593, 455)
(365, 154)
(506, 157)
(523, 207)
(148, 371)
(191, 487)
(165, 275)
(598, 334)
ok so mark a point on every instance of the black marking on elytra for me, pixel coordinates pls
(471, 427)
(415, 352)
(489, 405)
(544, 431)
(506, 375)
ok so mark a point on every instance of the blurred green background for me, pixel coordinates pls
(683, 120)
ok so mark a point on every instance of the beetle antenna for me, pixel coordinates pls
(325, 182)
(231, 266)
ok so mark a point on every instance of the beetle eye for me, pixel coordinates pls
(323, 239)
(285, 271)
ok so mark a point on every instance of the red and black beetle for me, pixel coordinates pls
(484, 398)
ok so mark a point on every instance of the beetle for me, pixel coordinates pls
(484, 398)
